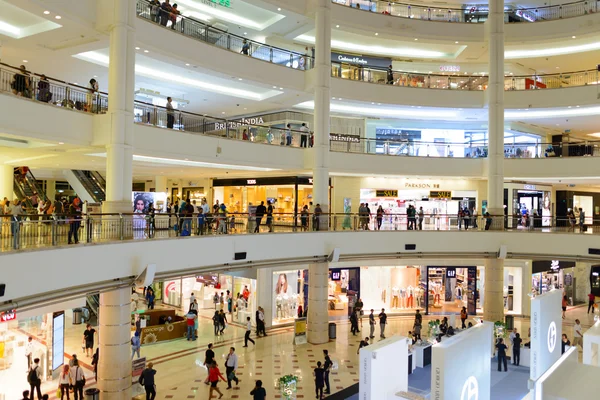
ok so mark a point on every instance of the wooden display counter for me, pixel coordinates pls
(157, 328)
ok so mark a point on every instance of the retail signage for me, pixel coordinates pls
(550, 266)
(376, 363)
(58, 339)
(471, 350)
(341, 137)
(450, 272)
(361, 60)
(568, 279)
(386, 193)
(300, 331)
(546, 331)
(214, 3)
(415, 185)
(529, 187)
(450, 68)
(237, 124)
(336, 274)
(440, 194)
(527, 16)
(8, 315)
(472, 290)
(251, 181)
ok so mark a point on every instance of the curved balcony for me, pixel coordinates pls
(33, 231)
(473, 14)
(197, 30)
(457, 81)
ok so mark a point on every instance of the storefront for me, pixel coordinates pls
(528, 205)
(568, 200)
(287, 195)
(554, 274)
(397, 289)
(177, 292)
(359, 67)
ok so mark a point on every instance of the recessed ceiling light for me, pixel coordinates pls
(573, 37)
(145, 51)
(187, 64)
(95, 76)
(373, 102)
(557, 67)
(245, 108)
(61, 142)
(46, 12)
(416, 39)
(25, 61)
(137, 48)
(378, 104)
(339, 98)
(245, 33)
(280, 88)
(274, 87)
(456, 42)
(58, 17)
(75, 83)
(376, 34)
(279, 9)
(240, 79)
(337, 26)
(333, 98)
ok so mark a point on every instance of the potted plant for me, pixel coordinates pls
(287, 385)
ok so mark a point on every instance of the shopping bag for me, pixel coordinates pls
(58, 393)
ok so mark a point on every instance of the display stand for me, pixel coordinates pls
(422, 354)
(381, 375)
(546, 332)
(461, 367)
(591, 344)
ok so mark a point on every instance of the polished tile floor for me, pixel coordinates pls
(180, 373)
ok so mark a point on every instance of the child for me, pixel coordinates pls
(232, 223)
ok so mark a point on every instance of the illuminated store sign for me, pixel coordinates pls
(241, 122)
(214, 3)
(8, 316)
(450, 68)
(409, 185)
(341, 137)
(386, 193)
(361, 60)
(525, 15)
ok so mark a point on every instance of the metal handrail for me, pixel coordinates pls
(474, 14)
(201, 31)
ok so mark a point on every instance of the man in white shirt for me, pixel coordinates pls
(577, 334)
(231, 365)
(304, 133)
(29, 351)
(248, 330)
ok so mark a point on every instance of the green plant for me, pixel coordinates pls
(433, 328)
(500, 330)
(287, 385)
(288, 379)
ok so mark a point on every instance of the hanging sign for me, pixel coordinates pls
(386, 193)
(439, 194)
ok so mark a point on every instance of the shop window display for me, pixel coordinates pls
(396, 289)
(287, 296)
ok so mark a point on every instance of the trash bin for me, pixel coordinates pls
(77, 316)
(332, 330)
(92, 394)
(509, 320)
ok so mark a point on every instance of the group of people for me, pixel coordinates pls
(163, 13)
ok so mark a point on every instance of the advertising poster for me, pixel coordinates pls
(300, 331)
(142, 200)
(285, 294)
(546, 332)
(58, 340)
(471, 350)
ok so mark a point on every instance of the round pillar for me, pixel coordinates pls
(318, 315)
(6, 182)
(493, 306)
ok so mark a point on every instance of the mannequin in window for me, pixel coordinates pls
(402, 298)
(395, 297)
(278, 306)
(331, 289)
(410, 297)
(458, 295)
(437, 293)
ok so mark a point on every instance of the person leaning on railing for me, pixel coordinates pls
(21, 83)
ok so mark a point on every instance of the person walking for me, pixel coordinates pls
(390, 76)
(170, 114)
(304, 134)
(353, 323)
(577, 334)
(261, 318)
(135, 345)
(248, 331)
(259, 392)
(231, 365)
(501, 353)
(261, 210)
(88, 340)
(319, 374)
(516, 343)
(358, 306)
(564, 343)
(222, 322)
(382, 322)
(34, 378)
(326, 370)
(421, 216)
(147, 381)
(270, 216)
(463, 318)
(581, 220)
(209, 357)
(190, 319)
(372, 324)
(64, 382)
(591, 302)
(29, 351)
(216, 324)
(564, 306)
(288, 135)
(77, 379)
(379, 217)
(213, 376)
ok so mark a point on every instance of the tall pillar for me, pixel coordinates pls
(318, 315)
(6, 182)
(160, 184)
(51, 189)
(322, 99)
(121, 79)
(495, 102)
(526, 290)
(114, 335)
(493, 303)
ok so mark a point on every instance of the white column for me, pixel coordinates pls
(6, 182)
(495, 99)
(264, 293)
(51, 189)
(160, 184)
(526, 290)
(121, 79)
(114, 335)
(318, 315)
(493, 302)
(322, 99)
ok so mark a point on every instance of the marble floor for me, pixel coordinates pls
(180, 373)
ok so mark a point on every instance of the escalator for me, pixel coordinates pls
(401, 150)
(92, 304)
(26, 186)
(89, 185)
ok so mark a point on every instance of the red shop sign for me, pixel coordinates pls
(8, 316)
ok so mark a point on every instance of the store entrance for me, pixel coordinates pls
(449, 289)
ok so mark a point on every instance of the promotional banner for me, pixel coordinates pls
(384, 369)
(461, 367)
(300, 331)
(546, 332)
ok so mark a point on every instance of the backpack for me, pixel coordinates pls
(32, 377)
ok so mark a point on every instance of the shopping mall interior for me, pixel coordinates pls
(405, 186)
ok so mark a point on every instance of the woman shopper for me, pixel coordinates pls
(213, 376)
(565, 301)
(379, 217)
(64, 382)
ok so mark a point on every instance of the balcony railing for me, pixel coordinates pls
(475, 149)
(461, 81)
(197, 30)
(31, 231)
(471, 13)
